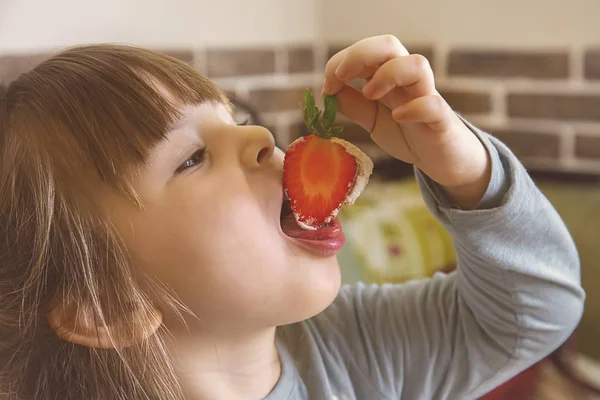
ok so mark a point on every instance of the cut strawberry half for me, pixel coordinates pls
(322, 172)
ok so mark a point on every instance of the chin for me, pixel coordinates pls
(320, 286)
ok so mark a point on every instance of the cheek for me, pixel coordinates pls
(237, 244)
(208, 237)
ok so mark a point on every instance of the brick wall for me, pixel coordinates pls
(544, 104)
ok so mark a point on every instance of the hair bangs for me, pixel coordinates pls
(104, 107)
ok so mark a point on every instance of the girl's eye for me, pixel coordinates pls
(244, 121)
(196, 159)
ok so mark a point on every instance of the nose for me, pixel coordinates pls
(258, 146)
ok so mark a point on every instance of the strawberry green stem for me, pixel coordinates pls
(321, 124)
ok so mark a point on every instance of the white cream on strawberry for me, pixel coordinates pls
(363, 172)
(305, 226)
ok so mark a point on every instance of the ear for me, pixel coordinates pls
(81, 324)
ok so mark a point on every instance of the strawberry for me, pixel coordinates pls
(322, 172)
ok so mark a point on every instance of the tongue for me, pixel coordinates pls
(291, 228)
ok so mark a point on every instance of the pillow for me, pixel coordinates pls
(392, 235)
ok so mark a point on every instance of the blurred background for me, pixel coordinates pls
(527, 71)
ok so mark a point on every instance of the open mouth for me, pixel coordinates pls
(291, 227)
(286, 210)
(288, 222)
(325, 241)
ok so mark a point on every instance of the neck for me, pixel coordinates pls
(237, 366)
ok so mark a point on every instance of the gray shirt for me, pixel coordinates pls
(515, 297)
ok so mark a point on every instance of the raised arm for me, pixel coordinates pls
(515, 297)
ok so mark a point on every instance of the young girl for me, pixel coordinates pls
(142, 257)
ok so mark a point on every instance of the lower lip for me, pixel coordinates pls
(324, 242)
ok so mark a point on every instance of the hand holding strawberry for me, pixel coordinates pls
(407, 117)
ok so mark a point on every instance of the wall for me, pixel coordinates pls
(485, 24)
(32, 25)
(528, 71)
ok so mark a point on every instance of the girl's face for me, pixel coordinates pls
(210, 227)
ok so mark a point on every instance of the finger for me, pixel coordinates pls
(330, 87)
(363, 78)
(368, 73)
(411, 72)
(431, 110)
(367, 53)
(357, 108)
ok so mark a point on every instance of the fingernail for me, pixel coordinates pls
(398, 113)
(369, 90)
(326, 87)
(341, 71)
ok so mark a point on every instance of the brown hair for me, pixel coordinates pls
(70, 128)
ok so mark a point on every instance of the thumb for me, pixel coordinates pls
(357, 108)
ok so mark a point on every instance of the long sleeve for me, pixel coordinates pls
(515, 297)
